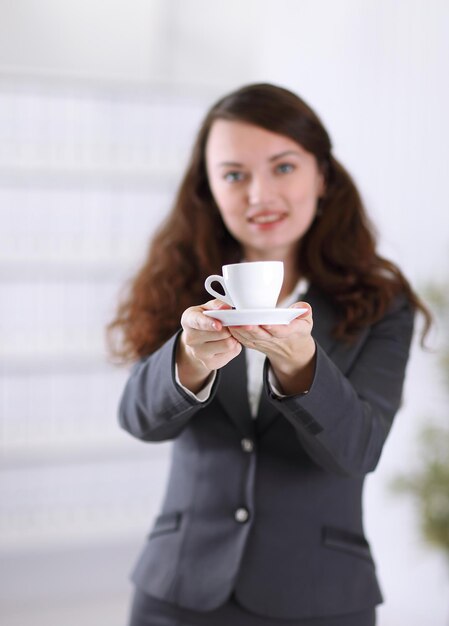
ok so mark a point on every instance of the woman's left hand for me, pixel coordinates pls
(290, 349)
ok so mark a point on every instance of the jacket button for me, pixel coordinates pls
(241, 515)
(247, 445)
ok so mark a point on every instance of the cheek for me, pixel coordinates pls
(219, 194)
(228, 203)
(232, 219)
(307, 193)
(305, 207)
(305, 201)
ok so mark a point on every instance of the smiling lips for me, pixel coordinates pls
(266, 217)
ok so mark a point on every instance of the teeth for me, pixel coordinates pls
(265, 219)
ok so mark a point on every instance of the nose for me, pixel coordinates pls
(259, 190)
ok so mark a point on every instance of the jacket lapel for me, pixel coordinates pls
(232, 392)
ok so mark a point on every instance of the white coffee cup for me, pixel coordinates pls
(255, 285)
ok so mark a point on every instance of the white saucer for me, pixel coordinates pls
(254, 317)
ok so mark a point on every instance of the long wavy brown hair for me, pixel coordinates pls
(337, 254)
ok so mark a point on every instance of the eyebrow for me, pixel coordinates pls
(273, 158)
(284, 154)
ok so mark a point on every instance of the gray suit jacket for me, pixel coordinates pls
(271, 508)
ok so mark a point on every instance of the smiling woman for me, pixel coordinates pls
(274, 426)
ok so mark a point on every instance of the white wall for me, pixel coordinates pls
(105, 38)
(375, 70)
(163, 41)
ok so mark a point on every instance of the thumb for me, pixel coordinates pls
(302, 305)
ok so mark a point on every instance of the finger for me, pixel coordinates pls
(194, 337)
(193, 315)
(224, 346)
(223, 359)
(215, 305)
(302, 305)
(213, 349)
(251, 340)
(193, 319)
(304, 315)
(249, 332)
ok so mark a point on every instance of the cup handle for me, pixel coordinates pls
(219, 279)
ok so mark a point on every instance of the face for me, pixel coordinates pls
(266, 187)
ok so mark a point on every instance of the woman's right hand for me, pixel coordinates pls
(205, 345)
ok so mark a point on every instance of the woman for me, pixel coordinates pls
(274, 427)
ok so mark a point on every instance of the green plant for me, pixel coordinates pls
(429, 483)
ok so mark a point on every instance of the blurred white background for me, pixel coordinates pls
(99, 101)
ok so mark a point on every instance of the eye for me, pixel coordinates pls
(233, 177)
(285, 168)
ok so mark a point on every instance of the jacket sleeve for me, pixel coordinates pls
(344, 419)
(153, 406)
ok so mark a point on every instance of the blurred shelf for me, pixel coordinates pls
(41, 81)
(144, 179)
(79, 269)
(65, 529)
(86, 169)
(121, 448)
(69, 362)
(77, 502)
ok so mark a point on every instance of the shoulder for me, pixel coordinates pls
(395, 323)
